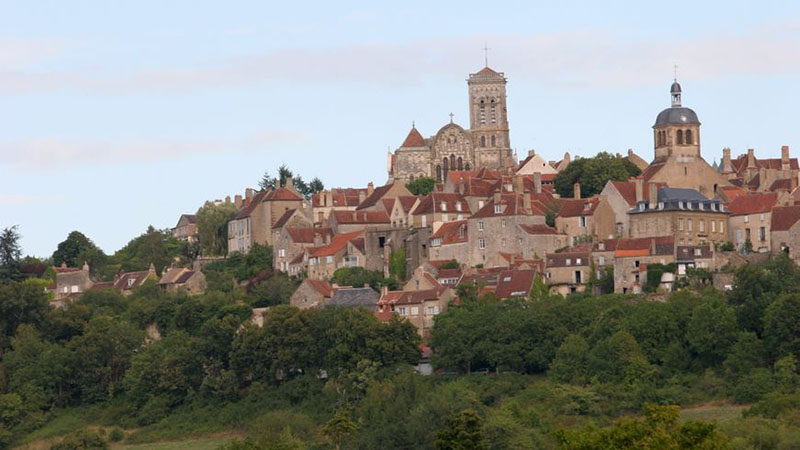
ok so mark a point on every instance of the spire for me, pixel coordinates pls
(414, 139)
(485, 55)
(675, 92)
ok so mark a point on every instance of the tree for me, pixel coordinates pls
(359, 276)
(212, 227)
(397, 264)
(10, 252)
(781, 327)
(421, 186)
(569, 365)
(711, 331)
(78, 249)
(316, 186)
(464, 431)
(20, 303)
(593, 174)
(82, 440)
(157, 247)
(339, 429)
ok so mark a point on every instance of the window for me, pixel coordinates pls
(415, 310)
(762, 217)
(721, 228)
(432, 310)
(577, 261)
(636, 263)
(702, 225)
(130, 282)
(688, 137)
(483, 141)
(498, 209)
(480, 204)
(502, 242)
(481, 244)
(601, 261)
(762, 234)
(444, 218)
(462, 231)
(480, 225)
(74, 288)
(458, 206)
(568, 262)
(329, 259)
(713, 226)
(746, 219)
(680, 224)
(503, 223)
(402, 311)
(493, 142)
(424, 221)
(443, 206)
(282, 252)
(582, 221)
(439, 173)
(689, 223)
(680, 137)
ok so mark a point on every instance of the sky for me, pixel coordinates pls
(119, 115)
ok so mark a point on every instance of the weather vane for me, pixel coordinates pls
(675, 70)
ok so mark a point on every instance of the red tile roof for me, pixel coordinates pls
(306, 235)
(538, 229)
(515, 283)
(361, 217)
(628, 190)
(248, 209)
(740, 164)
(579, 207)
(284, 218)
(414, 139)
(282, 193)
(784, 184)
(340, 197)
(323, 287)
(450, 232)
(784, 217)
(377, 194)
(338, 243)
(487, 71)
(752, 203)
(512, 205)
(652, 169)
(560, 259)
(434, 201)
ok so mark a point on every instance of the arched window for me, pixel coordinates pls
(493, 141)
(466, 167)
(689, 137)
(483, 112)
(685, 171)
(460, 163)
(411, 178)
(439, 173)
(492, 113)
(445, 167)
(483, 141)
(452, 162)
(680, 137)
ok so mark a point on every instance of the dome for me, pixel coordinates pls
(677, 115)
(676, 88)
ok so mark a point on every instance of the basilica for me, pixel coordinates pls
(484, 145)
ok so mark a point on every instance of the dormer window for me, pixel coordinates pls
(462, 231)
(130, 282)
(601, 246)
(444, 206)
(577, 261)
(660, 205)
(641, 206)
(701, 206)
(698, 252)
(680, 205)
(568, 262)
(586, 206)
(458, 206)
(498, 209)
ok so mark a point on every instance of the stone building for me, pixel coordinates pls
(535, 241)
(785, 231)
(620, 197)
(183, 280)
(750, 219)
(344, 250)
(336, 199)
(632, 256)
(186, 228)
(450, 242)
(683, 213)
(253, 223)
(485, 144)
(311, 294)
(761, 174)
(437, 208)
(678, 162)
(576, 218)
(292, 242)
(71, 281)
(568, 272)
(126, 282)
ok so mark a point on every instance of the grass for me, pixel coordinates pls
(713, 412)
(210, 443)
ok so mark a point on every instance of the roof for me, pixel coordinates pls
(784, 184)
(578, 207)
(450, 232)
(659, 245)
(341, 197)
(354, 298)
(414, 139)
(442, 202)
(505, 283)
(284, 218)
(129, 280)
(538, 229)
(190, 219)
(282, 193)
(752, 203)
(338, 243)
(784, 217)
(323, 287)
(306, 235)
(668, 194)
(487, 71)
(512, 205)
(691, 252)
(653, 169)
(560, 259)
(248, 209)
(627, 189)
(361, 217)
(740, 163)
(677, 115)
(377, 194)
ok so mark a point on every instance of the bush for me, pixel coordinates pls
(116, 435)
(82, 440)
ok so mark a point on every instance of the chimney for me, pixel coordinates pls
(653, 200)
(361, 196)
(785, 157)
(526, 203)
(227, 199)
(531, 152)
(370, 188)
(366, 285)
(63, 264)
(317, 240)
(86, 266)
(727, 167)
(327, 238)
(518, 184)
(567, 160)
(576, 190)
(384, 290)
(639, 181)
(794, 182)
(328, 198)
(237, 200)
(537, 182)
(152, 270)
(497, 198)
(248, 193)
(751, 158)
(289, 183)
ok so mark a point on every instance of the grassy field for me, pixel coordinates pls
(713, 412)
(193, 444)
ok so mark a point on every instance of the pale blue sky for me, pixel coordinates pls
(118, 115)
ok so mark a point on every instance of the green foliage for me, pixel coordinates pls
(157, 247)
(359, 276)
(712, 330)
(397, 264)
(20, 303)
(593, 174)
(339, 429)
(245, 266)
(421, 186)
(654, 273)
(284, 173)
(569, 365)
(212, 227)
(10, 252)
(781, 329)
(275, 290)
(452, 264)
(82, 440)
(659, 430)
(78, 249)
(726, 247)
(463, 432)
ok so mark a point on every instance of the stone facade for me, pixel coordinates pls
(682, 213)
(485, 145)
(494, 229)
(568, 272)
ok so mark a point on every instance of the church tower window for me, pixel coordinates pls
(689, 137)
(460, 163)
(445, 167)
(483, 141)
(483, 112)
(493, 141)
(492, 112)
(680, 137)
(439, 173)
(452, 162)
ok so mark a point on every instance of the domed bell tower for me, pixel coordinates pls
(677, 129)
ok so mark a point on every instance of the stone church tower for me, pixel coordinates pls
(677, 129)
(485, 144)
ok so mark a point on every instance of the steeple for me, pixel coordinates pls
(675, 91)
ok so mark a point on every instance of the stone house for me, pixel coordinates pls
(503, 282)
(567, 272)
(254, 222)
(126, 282)
(761, 175)
(375, 197)
(349, 221)
(695, 256)
(451, 242)
(71, 281)
(420, 307)
(683, 213)
(336, 199)
(437, 208)
(293, 241)
(576, 217)
(632, 256)
(494, 228)
(183, 280)
(354, 297)
(535, 163)
(400, 209)
(535, 241)
(785, 231)
(342, 251)
(186, 228)
(620, 197)
(312, 294)
(750, 220)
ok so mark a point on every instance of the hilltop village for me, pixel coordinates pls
(486, 218)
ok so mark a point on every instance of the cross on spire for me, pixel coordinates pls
(485, 54)
(675, 72)
(451, 117)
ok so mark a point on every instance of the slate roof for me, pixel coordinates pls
(354, 298)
